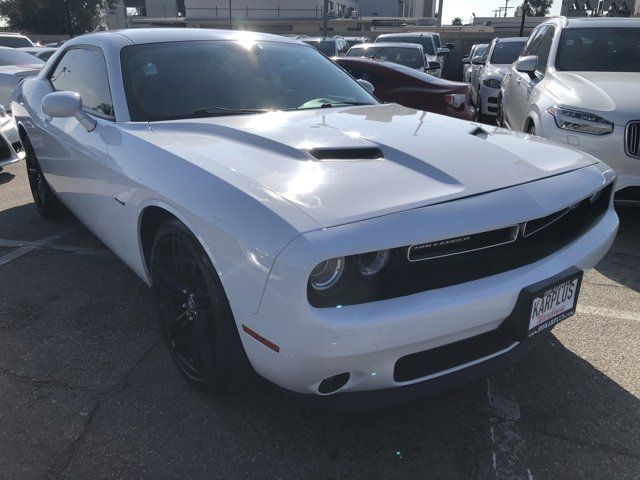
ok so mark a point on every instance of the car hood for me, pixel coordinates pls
(495, 71)
(372, 160)
(612, 94)
(21, 70)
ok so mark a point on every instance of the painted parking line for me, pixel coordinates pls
(608, 312)
(30, 246)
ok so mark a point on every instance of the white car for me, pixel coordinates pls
(15, 66)
(11, 149)
(427, 40)
(15, 40)
(476, 52)
(486, 80)
(408, 55)
(577, 83)
(354, 251)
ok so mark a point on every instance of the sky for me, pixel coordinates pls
(482, 8)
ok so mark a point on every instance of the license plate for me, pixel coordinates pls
(553, 305)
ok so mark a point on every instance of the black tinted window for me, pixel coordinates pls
(84, 71)
(16, 57)
(193, 78)
(599, 50)
(544, 48)
(506, 52)
(426, 42)
(534, 41)
(409, 57)
(15, 42)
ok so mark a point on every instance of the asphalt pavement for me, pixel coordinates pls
(88, 390)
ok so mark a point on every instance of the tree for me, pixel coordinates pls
(456, 21)
(538, 8)
(54, 17)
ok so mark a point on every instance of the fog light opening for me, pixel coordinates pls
(333, 384)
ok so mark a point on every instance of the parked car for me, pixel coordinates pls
(14, 40)
(407, 54)
(577, 83)
(352, 251)
(14, 67)
(424, 39)
(43, 53)
(411, 88)
(331, 47)
(477, 51)
(357, 40)
(487, 80)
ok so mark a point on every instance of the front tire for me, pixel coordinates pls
(500, 114)
(46, 201)
(532, 129)
(194, 313)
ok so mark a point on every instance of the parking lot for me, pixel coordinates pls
(89, 391)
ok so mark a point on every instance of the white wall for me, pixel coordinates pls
(260, 8)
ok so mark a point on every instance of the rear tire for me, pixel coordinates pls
(478, 116)
(500, 114)
(194, 313)
(532, 129)
(46, 201)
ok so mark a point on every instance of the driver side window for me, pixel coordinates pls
(83, 70)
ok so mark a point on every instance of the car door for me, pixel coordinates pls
(524, 84)
(73, 159)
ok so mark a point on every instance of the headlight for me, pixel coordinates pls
(582, 122)
(371, 263)
(492, 83)
(326, 274)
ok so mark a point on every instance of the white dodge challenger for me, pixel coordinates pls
(350, 250)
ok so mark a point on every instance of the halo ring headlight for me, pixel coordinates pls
(327, 273)
(372, 263)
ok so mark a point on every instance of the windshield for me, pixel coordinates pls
(328, 47)
(506, 52)
(409, 57)
(599, 50)
(189, 79)
(17, 57)
(15, 42)
(480, 51)
(425, 41)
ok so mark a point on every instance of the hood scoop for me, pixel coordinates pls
(346, 153)
(479, 132)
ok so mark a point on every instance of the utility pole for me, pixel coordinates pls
(506, 7)
(68, 11)
(525, 5)
(440, 2)
(230, 17)
(325, 18)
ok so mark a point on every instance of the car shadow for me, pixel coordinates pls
(6, 177)
(624, 252)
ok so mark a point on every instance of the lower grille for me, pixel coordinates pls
(632, 139)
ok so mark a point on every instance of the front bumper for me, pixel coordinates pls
(489, 100)
(11, 149)
(367, 340)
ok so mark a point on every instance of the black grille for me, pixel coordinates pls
(632, 139)
(17, 146)
(402, 277)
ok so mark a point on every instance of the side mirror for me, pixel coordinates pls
(434, 65)
(477, 61)
(466, 61)
(451, 46)
(65, 105)
(368, 86)
(528, 65)
(443, 51)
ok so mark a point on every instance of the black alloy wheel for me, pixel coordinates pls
(46, 201)
(532, 129)
(193, 311)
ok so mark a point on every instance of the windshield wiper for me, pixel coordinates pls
(338, 104)
(221, 111)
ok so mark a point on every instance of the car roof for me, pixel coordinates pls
(11, 34)
(136, 36)
(602, 22)
(406, 34)
(414, 46)
(318, 39)
(511, 39)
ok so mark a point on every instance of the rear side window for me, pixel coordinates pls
(15, 42)
(83, 70)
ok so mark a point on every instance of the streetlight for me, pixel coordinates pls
(525, 4)
(230, 17)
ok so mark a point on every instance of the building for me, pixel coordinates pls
(509, 23)
(124, 10)
(396, 8)
(267, 9)
(596, 8)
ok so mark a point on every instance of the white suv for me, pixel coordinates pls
(487, 79)
(577, 83)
